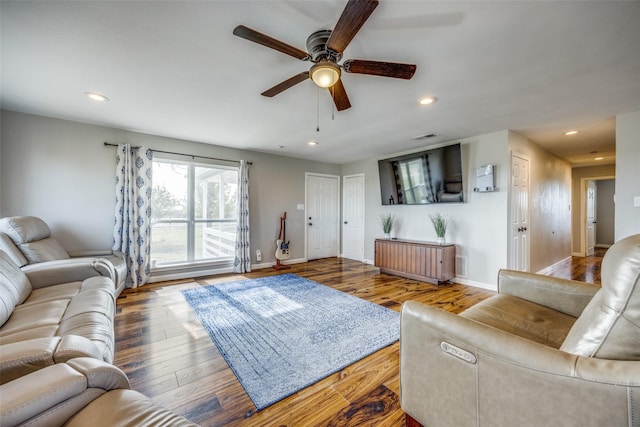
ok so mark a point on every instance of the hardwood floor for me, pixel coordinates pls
(168, 356)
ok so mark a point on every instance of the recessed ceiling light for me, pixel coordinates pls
(599, 158)
(428, 100)
(571, 132)
(96, 96)
(312, 143)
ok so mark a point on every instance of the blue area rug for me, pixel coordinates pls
(282, 333)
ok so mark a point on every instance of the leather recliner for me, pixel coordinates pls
(81, 392)
(543, 351)
(28, 241)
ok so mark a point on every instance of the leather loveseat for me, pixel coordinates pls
(53, 315)
(542, 352)
(28, 241)
(81, 392)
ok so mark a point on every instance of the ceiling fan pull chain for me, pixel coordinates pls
(318, 109)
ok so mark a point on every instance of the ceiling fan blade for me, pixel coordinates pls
(353, 17)
(281, 87)
(339, 96)
(378, 68)
(265, 40)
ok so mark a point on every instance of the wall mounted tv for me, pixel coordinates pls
(430, 176)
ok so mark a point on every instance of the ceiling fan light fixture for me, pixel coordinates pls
(325, 73)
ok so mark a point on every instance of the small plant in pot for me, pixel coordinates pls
(440, 224)
(386, 221)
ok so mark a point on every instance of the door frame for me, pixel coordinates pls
(356, 175)
(306, 204)
(583, 210)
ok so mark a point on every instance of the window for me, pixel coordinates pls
(193, 212)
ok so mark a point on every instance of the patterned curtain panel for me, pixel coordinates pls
(242, 261)
(132, 230)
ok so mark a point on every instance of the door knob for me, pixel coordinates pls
(310, 224)
(345, 222)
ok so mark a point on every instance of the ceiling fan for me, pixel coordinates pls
(325, 49)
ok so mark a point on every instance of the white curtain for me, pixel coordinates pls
(132, 229)
(242, 261)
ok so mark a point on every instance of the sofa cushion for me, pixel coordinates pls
(14, 287)
(522, 318)
(85, 309)
(33, 237)
(609, 327)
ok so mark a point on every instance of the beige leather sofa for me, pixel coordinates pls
(81, 392)
(28, 241)
(542, 352)
(53, 315)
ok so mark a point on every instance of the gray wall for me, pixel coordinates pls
(61, 171)
(627, 174)
(605, 212)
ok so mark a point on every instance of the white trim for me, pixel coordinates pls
(190, 274)
(583, 210)
(576, 254)
(368, 261)
(550, 268)
(481, 285)
(271, 264)
(603, 245)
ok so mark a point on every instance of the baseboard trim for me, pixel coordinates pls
(603, 245)
(549, 268)
(576, 254)
(271, 264)
(481, 285)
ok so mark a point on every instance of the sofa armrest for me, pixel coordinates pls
(456, 371)
(567, 296)
(54, 394)
(89, 253)
(50, 273)
(23, 357)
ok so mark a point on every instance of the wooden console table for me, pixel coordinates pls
(424, 261)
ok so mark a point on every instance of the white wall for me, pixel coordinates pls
(478, 227)
(61, 171)
(549, 203)
(627, 174)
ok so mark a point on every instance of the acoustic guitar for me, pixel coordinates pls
(282, 244)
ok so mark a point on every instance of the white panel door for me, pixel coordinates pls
(519, 256)
(591, 216)
(353, 217)
(323, 216)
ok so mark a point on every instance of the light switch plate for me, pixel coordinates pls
(300, 206)
(636, 202)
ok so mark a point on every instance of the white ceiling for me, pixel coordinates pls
(173, 68)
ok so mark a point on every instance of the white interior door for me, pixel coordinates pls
(353, 217)
(323, 215)
(591, 216)
(519, 251)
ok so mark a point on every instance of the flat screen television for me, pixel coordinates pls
(430, 176)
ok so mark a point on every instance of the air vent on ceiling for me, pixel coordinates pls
(425, 136)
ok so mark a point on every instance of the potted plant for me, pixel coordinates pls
(386, 221)
(440, 224)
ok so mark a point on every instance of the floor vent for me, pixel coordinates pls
(461, 266)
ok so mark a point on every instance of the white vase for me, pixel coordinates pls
(440, 240)
(387, 236)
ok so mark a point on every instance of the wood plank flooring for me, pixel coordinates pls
(168, 356)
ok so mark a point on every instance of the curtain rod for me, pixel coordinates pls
(181, 154)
